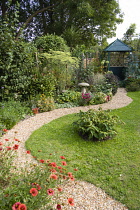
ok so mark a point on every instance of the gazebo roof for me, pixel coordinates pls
(118, 46)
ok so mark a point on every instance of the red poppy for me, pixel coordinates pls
(34, 191)
(22, 207)
(50, 191)
(41, 161)
(53, 176)
(38, 187)
(5, 130)
(6, 139)
(1, 143)
(59, 189)
(71, 201)
(15, 147)
(17, 140)
(58, 207)
(72, 178)
(62, 157)
(15, 206)
(53, 164)
(59, 167)
(8, 148)
(75, 169)
(64, 163)
(70, 174)
(53, 170)
(28, 152)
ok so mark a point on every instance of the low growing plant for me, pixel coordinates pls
(34, 186)
(45, 104)
(96, 124)
(69, 96)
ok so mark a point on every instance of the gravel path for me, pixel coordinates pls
(86, 195)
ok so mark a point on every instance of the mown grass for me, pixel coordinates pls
(113, 165)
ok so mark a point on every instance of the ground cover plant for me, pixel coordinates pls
(11, 112)
(31, 187)
(112, 165)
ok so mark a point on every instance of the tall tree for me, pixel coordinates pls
(89, 20)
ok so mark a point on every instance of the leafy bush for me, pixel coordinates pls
(113, 80)
(12, 112)
(45, 104)
(96, 124)
(69, 96)
(132, 84)
(98, 98)
(51, 42)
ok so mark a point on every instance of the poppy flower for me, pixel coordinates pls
(28, 152)
(62, 157)
(50, 191)
(75, 169)
(15, 206)
(1, 143)
(15, 147)
(53, 176)
(5, 130)
(6, 139)
(8, 148)
(53, 170)
(38, 187)
(53, 164)
(70, 174)
(71, 201)
(59, 189)
(17, 140)
(22, 207)
(34, 191)
(41, 161)
(58, 207)
(64, 163)
(59, 167)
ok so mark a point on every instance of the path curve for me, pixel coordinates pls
(24, 129)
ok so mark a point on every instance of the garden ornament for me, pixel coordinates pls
(83, 85)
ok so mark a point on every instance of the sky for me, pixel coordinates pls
(131, 10)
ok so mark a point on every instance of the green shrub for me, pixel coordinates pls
(113, 81)
(96, 124)
(132, 84)
(98, 98)
(12, 112)
(69, 96)
(45, 104)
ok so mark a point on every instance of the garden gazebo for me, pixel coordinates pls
(117, 57)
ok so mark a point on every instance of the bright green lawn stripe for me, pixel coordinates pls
(113, 165)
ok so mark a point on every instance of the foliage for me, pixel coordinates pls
(69, 96)
(96, 125)
(113, 81)
(100, 98)
(87, 21)
(51, 42)
(45, 104)
(17, 69)
(61, 65)
(35, 185)
(43, 82)
(132, 84)
(11, 113)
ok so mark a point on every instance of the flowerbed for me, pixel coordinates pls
(33, 186)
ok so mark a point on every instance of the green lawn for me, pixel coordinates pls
(113, 165)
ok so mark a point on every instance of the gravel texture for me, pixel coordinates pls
(86, 196)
